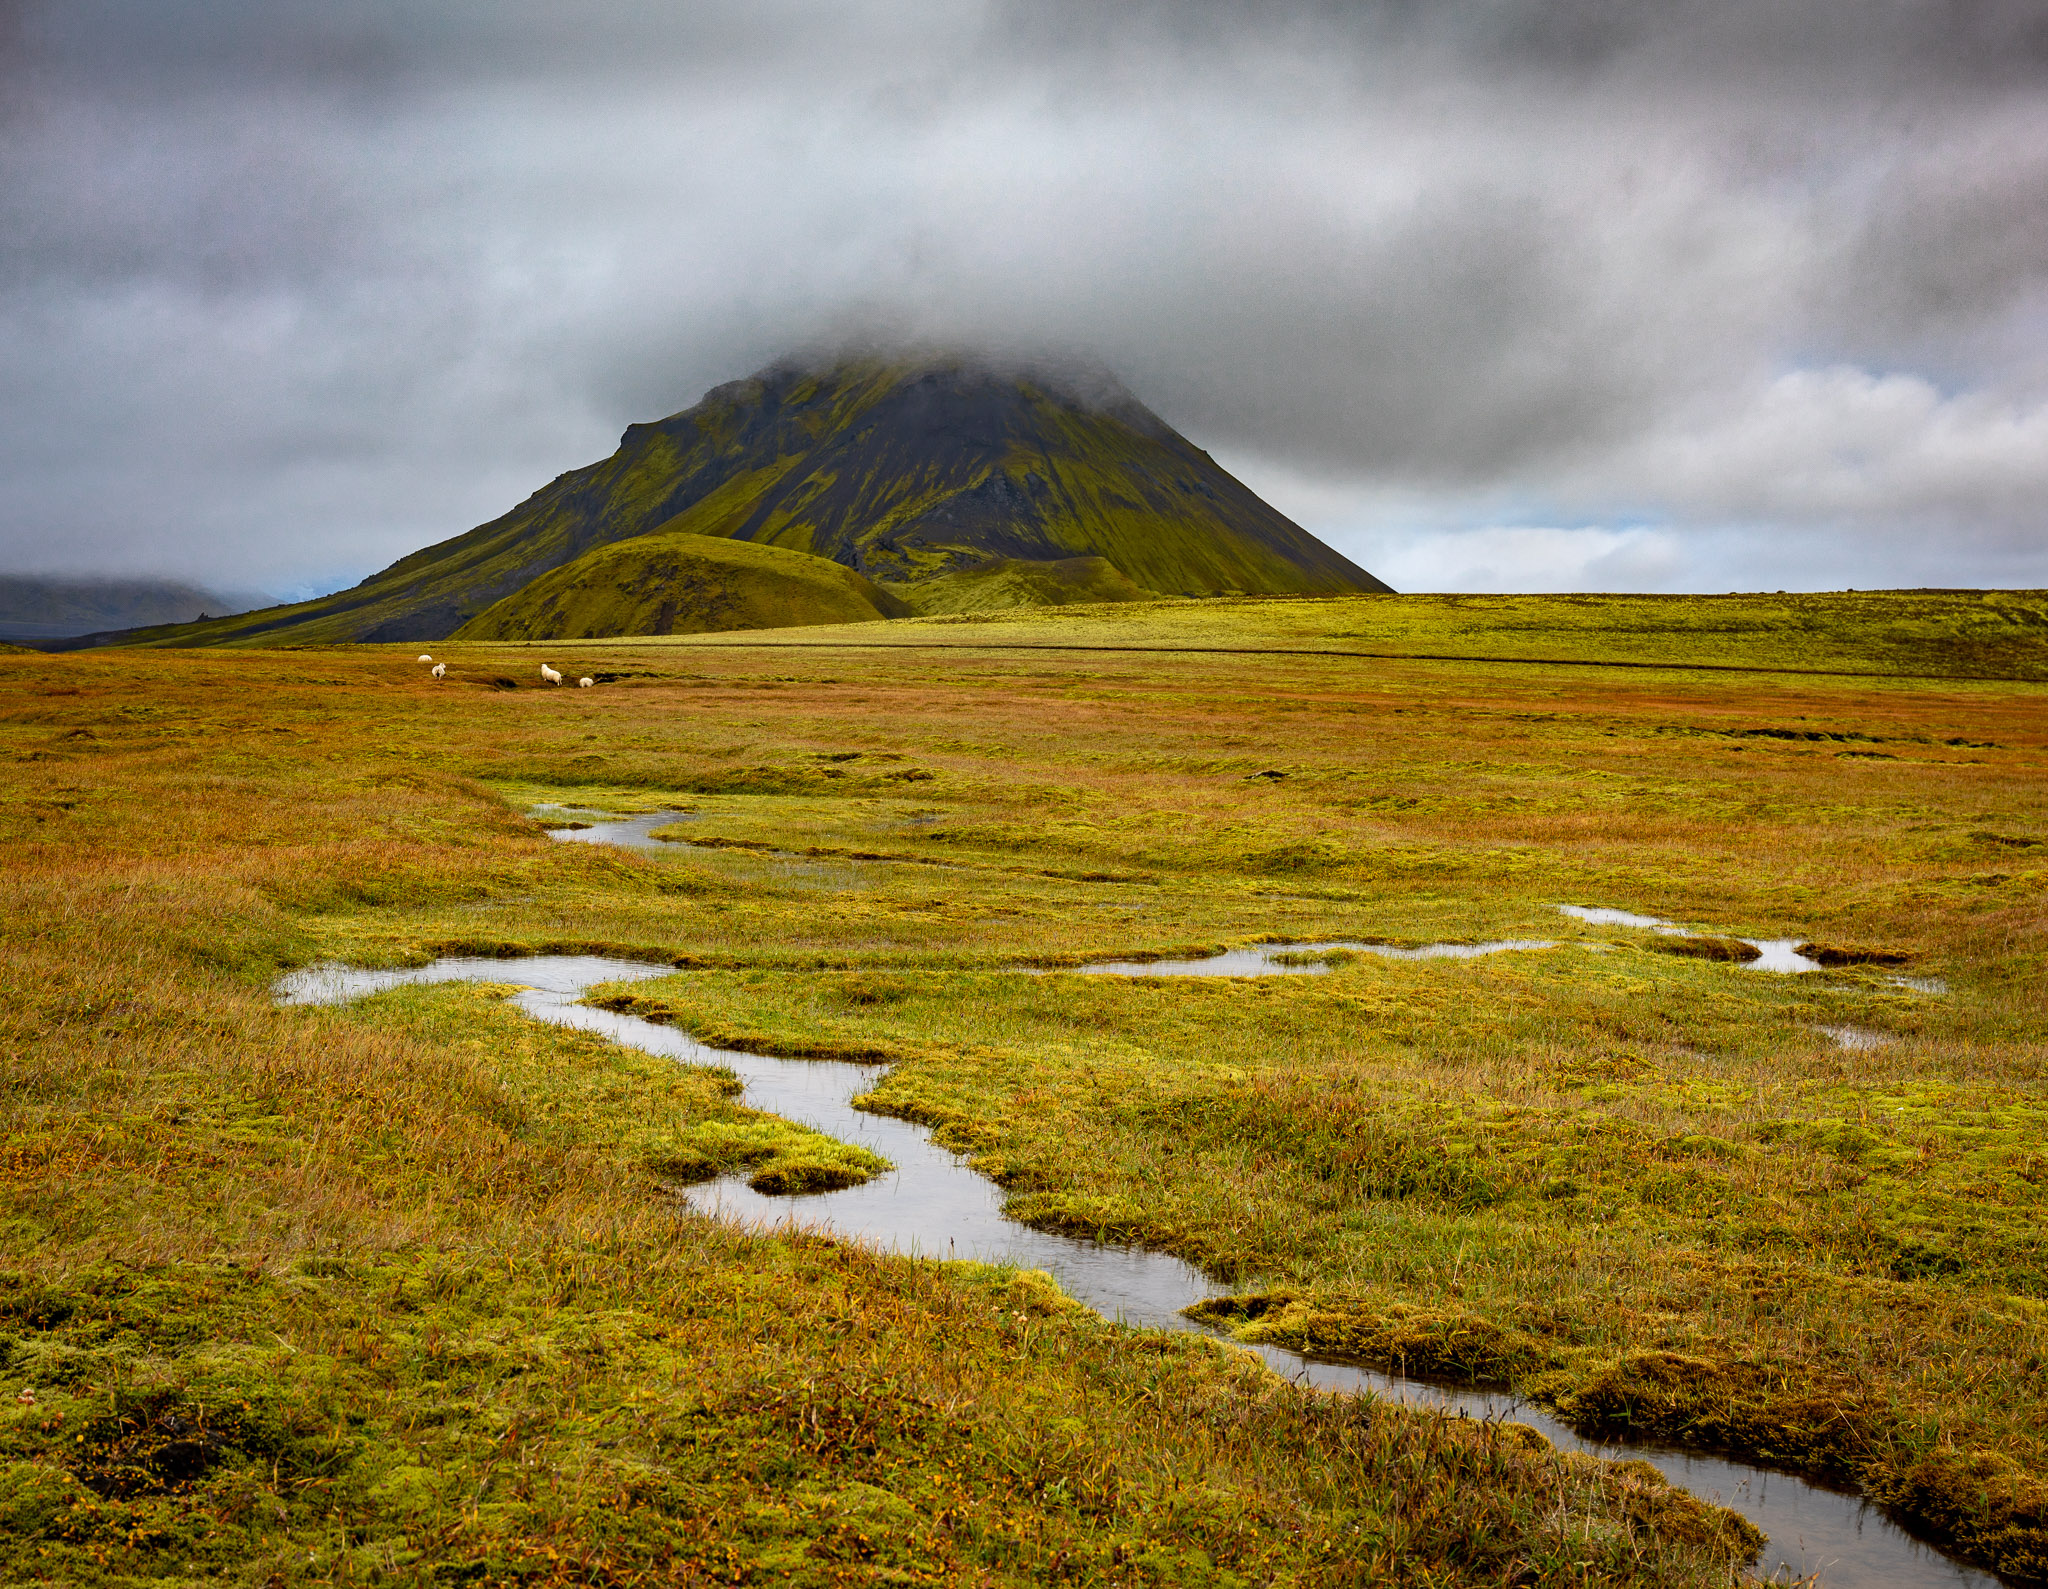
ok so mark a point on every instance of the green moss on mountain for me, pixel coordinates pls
(1010, 582)
(903, 472)
(678, 583)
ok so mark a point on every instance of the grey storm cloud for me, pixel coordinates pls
(1484, 291)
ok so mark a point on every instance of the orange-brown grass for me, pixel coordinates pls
(179, 827)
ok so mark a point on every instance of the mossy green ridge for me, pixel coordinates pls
(902, 471)
(683, 584)
(1012, 582)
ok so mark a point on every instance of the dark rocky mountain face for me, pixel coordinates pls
(903, 472)
(904, 475)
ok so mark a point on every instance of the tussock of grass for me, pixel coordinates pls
(1707, 948)
(783, 1158)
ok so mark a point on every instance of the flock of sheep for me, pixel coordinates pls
(440, 671)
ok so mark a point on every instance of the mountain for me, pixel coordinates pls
(904, 472)
(36, 608)
(672, 583)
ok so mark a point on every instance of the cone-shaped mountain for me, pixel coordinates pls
(903, 472)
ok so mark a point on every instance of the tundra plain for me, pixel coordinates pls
(406, 1292)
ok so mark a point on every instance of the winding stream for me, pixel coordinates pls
(1292, 959)
(1772, 954)
(932, 1205)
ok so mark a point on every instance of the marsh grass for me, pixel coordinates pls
(1992, 634)
(384, 1294)
(438, 1253)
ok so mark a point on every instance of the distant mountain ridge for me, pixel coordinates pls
(904, 472)
(42, 607)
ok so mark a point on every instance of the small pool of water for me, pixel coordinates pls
(1781, 955)
(608, 827)
(1856, 1037)
(637, 833)
(1601, 916)
(932, 1205)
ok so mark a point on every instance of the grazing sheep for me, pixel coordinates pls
(584, 684)
(425, 658)
(550, 674)
(440, 670)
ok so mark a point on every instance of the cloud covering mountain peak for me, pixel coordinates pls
(287, 289)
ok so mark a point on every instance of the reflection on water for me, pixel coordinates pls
(1601, 916)
(637, 833)
(1773, 954)
(1856, 1037)
(933, 1205)
(606, 827)
(557, 977)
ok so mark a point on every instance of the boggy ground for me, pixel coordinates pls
(406, 1290)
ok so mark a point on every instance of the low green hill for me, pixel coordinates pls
(678, 583)
(904, 472)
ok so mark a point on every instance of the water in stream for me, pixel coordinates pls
(1287, 959)
(1772, 954)
(934, 1206)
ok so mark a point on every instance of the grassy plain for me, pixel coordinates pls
(1934, 634)
(405, 1289)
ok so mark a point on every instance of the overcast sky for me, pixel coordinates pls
(1490, 294)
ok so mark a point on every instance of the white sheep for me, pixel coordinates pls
(550, 674)
(440, 670)
(425, 658)
(584, 684)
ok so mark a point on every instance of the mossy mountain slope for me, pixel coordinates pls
(901, 472)
(677, 583)
(1010, 582)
